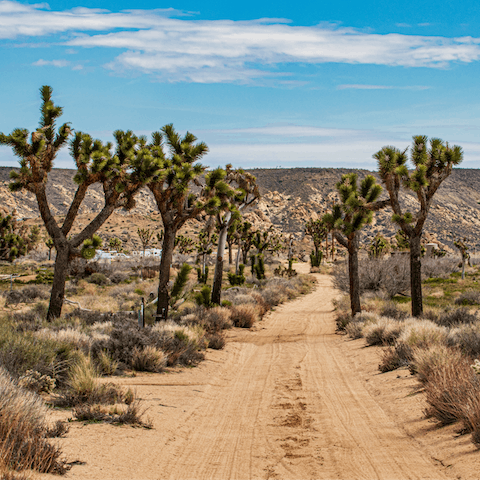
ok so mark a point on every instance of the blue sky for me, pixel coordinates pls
(264, 84)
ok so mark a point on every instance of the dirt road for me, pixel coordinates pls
(281, 402)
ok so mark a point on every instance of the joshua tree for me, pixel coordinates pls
(173, 192)
(145, 235)
(121, 176)
(318, 231)
(238, 192)
(349, 217)
(115, 243)
(245, 234)
(379, 246)
(206, 241)
(49, 244)
(12, 242)
(431, 166)
(463, 249)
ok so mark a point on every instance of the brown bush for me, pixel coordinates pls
(24, 431)
(244, 316)
(451, 390)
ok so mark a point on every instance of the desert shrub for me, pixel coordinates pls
(471, 297)
(244, 316)
(59, 429)
(98, 279)
(22, 351)
(131, 415)
(438, 267)
(216, 319)
(27, 294)
(105, 364)
(426, 361)
(212, 320)
(383, 332)
(36, 382)
(180, 349)
(392, 310)
(216, 341)
(118, 277)
(466, 338)
(67, 335)
(23, 431)
(396, 356)
(84, 387)
(455, 317)
(422, 334)
(391, 275)
(449, 390)
(13, 297)
(148, 359)
(90, 317)
(342, 320)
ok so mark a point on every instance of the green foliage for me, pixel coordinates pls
(185, 244)
(115, 243)
(316, 259)
(401, 240)
(13, 243)
(258, 266)
(89, 248)
(237, 279)
(202, 298)
(202, 277)
(180, 282)
(44, 276)
(379, 246)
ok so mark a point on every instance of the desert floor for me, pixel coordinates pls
(289, 399)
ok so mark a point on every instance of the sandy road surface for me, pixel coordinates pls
(281, 402)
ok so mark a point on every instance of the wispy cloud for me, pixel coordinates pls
(53, 63)
(187, 50)
(381, 87)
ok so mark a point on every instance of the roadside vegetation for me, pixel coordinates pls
(441, 347)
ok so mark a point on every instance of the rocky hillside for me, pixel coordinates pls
(289, 198)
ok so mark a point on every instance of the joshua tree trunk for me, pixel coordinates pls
(230, 253)
(164, 273)
(58, 286)
(416, 275)
(217, 278)
(237, 260)
(353, 275)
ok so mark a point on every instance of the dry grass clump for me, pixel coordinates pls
(148, 359)
(23, 431)
(466, 338)
(244, 316)
(450, 391)
(384, 331)
(426, 361)
(455, 317)
(84, 386)
(422, 334)
(129, 415)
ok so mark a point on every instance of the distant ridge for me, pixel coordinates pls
(290, 196)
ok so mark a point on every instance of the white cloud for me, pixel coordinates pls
(182, 49)
(54, 63)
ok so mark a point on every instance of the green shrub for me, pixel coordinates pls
(98, 279)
